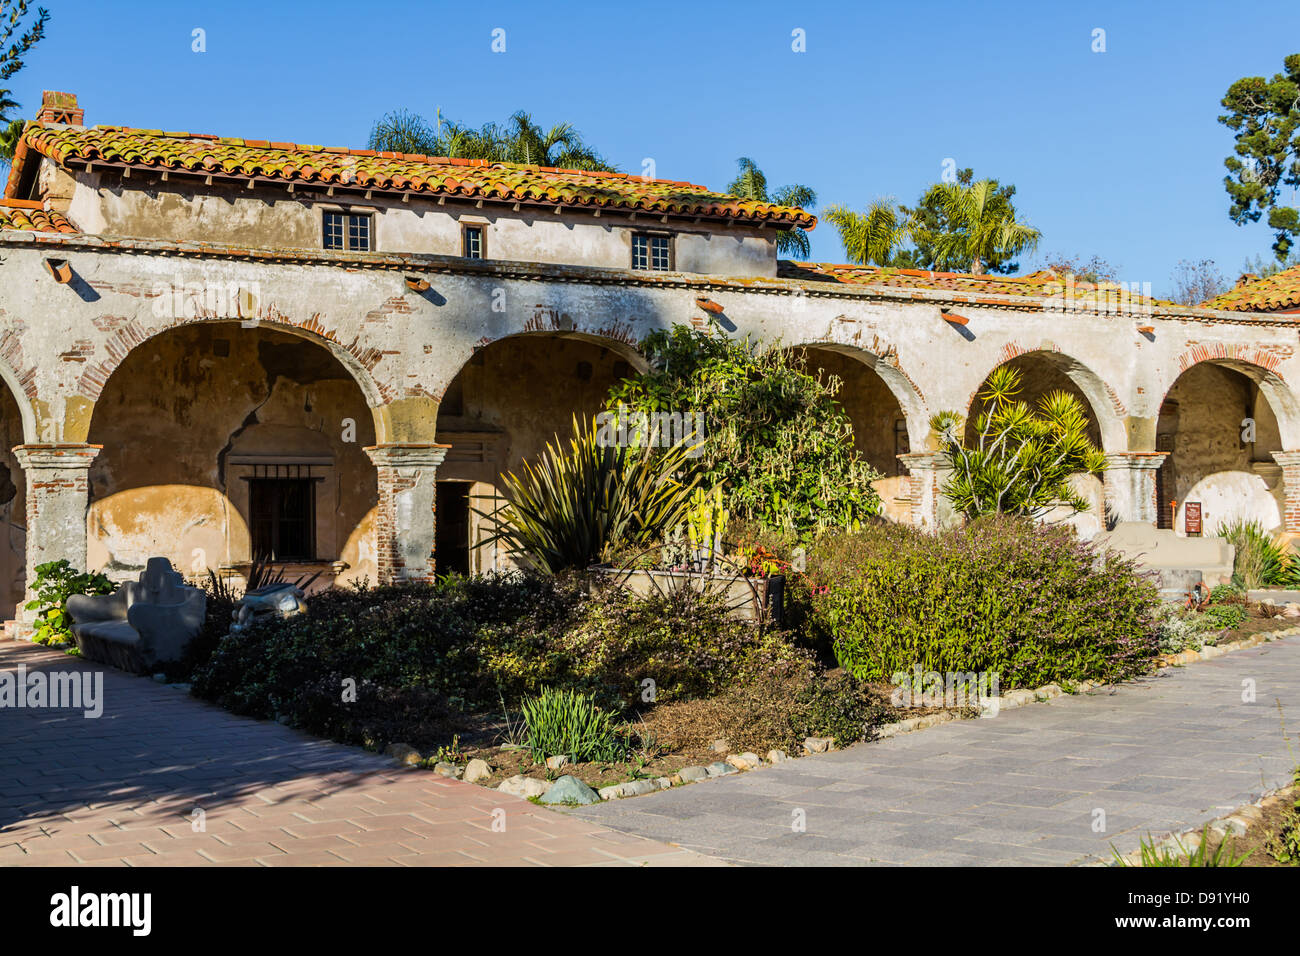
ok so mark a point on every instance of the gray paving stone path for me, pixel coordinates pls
(1023, 788)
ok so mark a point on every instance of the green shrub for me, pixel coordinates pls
(776, 438)
(1227, 594)
(1228, 616)
(55, 582)
(1180, 630)
(1001, 595)
(839, 706)
(1180, 855)
(567, 722)
(1259, 561)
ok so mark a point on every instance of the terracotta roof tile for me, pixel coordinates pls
(1279, 292)
(27, 219)
(1039, 284)
(364, 168)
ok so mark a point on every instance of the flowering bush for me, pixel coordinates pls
(1004, 595)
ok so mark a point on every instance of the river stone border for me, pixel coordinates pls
(739, 763)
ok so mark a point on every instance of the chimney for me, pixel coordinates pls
(1246, 278)
(60, 108)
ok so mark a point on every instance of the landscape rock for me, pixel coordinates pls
(556, 762)
(569, 789)
(477, 770)
(720, 746)
(820, 745)
(720, 769)
(445, 769)
(522, 786)
(664, 783)
(776, 756)
(692, 774)
(404, 754)
(745, 761)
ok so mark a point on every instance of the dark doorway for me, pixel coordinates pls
(451, 532)
(283, 512)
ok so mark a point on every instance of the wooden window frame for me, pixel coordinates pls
(481, 228)
(648, 236)
(347, 216)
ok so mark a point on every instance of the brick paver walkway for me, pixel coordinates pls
(121, 790)
(1025, 787)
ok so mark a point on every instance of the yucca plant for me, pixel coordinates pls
(1259, 560)
(581, 502)
(565, 722)
(1022, 459)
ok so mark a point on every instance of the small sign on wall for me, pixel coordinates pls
(1192, 519)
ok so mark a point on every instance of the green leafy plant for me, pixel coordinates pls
(567, 722)
(1284, 845)
(1021, 460)
(577, 505)
(1228, 616)
(775, 437)
(55, 582)
(1001, 595)
(1259, 561)
(1154, 854)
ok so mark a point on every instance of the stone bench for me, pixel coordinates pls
(143, 623)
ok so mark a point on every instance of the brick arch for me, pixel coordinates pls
(618, 339)
(1260, 366)
(21, 381)
(127, 335)
(1103, 401)
(882, 358)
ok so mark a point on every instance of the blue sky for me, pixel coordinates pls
(1117, 154)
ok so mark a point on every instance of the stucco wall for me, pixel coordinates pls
(190, 414)
(275, 218)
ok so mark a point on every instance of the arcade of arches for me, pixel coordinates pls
(219, 442)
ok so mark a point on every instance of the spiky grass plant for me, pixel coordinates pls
(1259, 561)
(578, 503)
(569, 723)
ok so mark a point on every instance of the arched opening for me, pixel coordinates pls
(880, 423)
(512, 397)
(13, 509)
(1207, 420)
(224, 443)
(1041, 374)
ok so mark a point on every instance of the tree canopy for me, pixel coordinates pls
(518, 140)
(750, 183)
(1265, 115)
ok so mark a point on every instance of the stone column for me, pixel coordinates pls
(1130, 484)
(404, 525)
(1290, 462)
(58, 493)
(927, 472)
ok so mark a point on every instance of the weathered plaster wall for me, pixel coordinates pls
(13, 509)
(269, 217)
(190, 414)
(1210, 463)
(875, 415)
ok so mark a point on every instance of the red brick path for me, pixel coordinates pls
(121, 790)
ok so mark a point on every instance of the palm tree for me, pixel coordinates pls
(752, 184)
(982, 227)
(520, 140)
(874, 237)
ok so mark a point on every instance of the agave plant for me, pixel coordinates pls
(578, 503)
(1259, 560)
(1022, 459)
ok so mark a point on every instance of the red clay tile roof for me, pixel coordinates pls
(366, 169)
(1279, 292)
(1039, 284)
(30, 217)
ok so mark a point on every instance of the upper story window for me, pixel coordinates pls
(473, 243)
(651, 252)
(349, 230)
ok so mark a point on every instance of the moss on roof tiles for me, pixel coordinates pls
(476, 179)
(1280, 291)
(34, 220)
